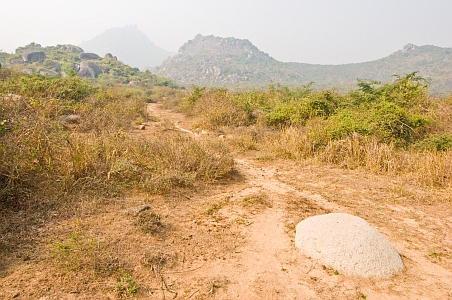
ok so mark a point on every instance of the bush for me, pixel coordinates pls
(392, 123)
(441, 142)
(39, 86)
(298, 111)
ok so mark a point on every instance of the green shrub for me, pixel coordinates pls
(406, 91)
(195, 95)
(392, 123)
(441, 142)
(346, 122)
(298, 111)
(38, 86)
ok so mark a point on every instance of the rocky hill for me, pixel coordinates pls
(70, 60)
(210, 60)
(230, 62)
(130, 45)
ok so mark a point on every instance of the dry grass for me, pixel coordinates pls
(53, 169)
(429, 168)
(216, 108)
(257, 201)
(42, 152)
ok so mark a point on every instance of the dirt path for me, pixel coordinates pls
(235, 240)
(268, 266)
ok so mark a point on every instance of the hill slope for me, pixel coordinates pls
(210, 60)
(230, 62)
(130, 45)
(432, 62)
(64, 60)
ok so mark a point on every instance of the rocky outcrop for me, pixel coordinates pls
(52, 65)
(108, 55)
(91, 70)
(16, 61)
(28, 71)
(210, 60)
(408, 47)
(33, 56)
(70, 48)
(89, 56)
(48, 72)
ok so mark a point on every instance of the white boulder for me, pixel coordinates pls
(349, 245)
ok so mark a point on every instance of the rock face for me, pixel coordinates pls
(88, 56)
(34, 56)
(210, 60)
(349, 245)
(90, 69)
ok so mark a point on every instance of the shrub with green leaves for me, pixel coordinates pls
(441, 142)
(298, 110)
(39, 86)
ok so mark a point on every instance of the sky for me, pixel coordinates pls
(314, 31)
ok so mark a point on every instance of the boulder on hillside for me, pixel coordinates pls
(91, 70)
(70, 48)
(349, 245)
(48, 72)
(52, 65)
(33, 56)
(28, 71)
(408, 48)
(108, 55)
(88, 55)
(17, 61)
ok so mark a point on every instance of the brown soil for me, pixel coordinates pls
(233, 240)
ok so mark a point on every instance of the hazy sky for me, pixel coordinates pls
(314, 31)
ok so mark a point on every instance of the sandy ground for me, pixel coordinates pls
(235, 240)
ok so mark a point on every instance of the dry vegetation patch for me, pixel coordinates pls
(222, 210)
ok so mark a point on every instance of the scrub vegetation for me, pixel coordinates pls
(213, 168)
(43, 151)
(391, 128)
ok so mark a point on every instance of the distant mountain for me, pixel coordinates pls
(210, 60)
(433, 63)
(230, 62)
(129, 45)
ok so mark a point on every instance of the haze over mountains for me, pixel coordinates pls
(130, 45)
(236, 63)
(230, 62)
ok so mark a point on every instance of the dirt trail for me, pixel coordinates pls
(235, 240)
(268, 266)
